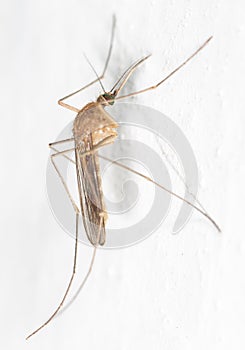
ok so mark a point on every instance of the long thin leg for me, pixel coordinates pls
(60, 142)
(63, 181)
(59, 153)
(84, 280)
(76, 241)
(74, 109)
(64, 155)
(68, 287)
(52, 144)
(203, 212)
(95, 247)
(180, 177)
(126, 75)
(163, 80)
(164, 188)
(104, 142)
(148, 179)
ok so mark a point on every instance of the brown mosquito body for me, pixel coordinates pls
(94, 128)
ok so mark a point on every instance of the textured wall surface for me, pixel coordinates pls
(182, 291)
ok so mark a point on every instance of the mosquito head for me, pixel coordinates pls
(108, 98)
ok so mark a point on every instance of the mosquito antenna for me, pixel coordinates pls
(94, 71)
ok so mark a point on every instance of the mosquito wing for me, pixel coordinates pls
(90, 192)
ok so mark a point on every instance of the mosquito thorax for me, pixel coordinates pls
(107, 98)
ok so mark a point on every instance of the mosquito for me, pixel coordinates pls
(94, 128)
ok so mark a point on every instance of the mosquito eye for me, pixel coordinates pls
(109, 98)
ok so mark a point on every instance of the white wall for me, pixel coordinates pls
(184, 291)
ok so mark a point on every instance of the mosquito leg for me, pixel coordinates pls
(86, 276)
(63, 180)
(163, 188)
(74, 109)
(68, 287)
(106, 141)
(182, 179)
(167, 77)
(64, 155)
(59, 153)
(123, 76)
(203, 211)
(61, 141)
(126, 75)
(76, 241)
(51, 145)
(180, 176)
(100, 144)
(73, 269)
(72, 201)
